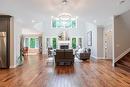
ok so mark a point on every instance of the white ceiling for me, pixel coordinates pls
(89, 10)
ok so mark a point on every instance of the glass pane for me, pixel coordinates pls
(58, 24)
(73, 24)
(26, 42)
(54, 43)
(70, 23)
(32, 42)
(54, 23)
(37, 43)
(74, 43)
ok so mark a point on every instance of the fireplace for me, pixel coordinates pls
(64, 46)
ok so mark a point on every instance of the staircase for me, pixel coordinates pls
(124, 63)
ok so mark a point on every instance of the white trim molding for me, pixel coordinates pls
(13, 66)
(122, 55)
(97, 57)
(100, 57)
(94, 57)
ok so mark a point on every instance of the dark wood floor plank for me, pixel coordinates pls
(36, 73)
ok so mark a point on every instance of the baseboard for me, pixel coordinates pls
(100, 58)
(97, 57)
(94, 57)
(113, 64)
(122, 55)
(107, 58)
(13, 66)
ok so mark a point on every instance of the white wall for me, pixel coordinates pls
(17, 34)
(97, 40)
(26, 31)
(93, 28)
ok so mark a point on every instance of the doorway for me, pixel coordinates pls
(32, 45)
(108, 44)
(3, 50)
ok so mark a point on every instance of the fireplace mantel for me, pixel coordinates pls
(64, 42)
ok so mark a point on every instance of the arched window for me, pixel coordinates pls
(64, 20)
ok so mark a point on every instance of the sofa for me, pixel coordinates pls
(64, 56)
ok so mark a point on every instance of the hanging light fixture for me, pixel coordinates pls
(64, 1)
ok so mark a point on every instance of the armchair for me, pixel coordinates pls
(84, 55)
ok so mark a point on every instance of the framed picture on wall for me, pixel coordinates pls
(89, 38)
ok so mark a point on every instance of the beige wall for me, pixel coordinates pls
(100, 42)
(12, 64)
(121, 33)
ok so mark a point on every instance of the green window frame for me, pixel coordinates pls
(54, 43)
(74, 43)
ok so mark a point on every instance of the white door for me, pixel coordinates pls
(108, 44)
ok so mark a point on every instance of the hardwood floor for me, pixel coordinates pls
(124, 63)
(37, 73)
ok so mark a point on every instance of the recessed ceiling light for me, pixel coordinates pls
(33, 21)
(95, 21)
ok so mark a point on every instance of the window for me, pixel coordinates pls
(54, 43)
(26, 42)
(31, 42)
(74, 43)
(64, 20)
(36, 43)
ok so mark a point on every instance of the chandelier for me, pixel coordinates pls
(64, 1)
(65, 16)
